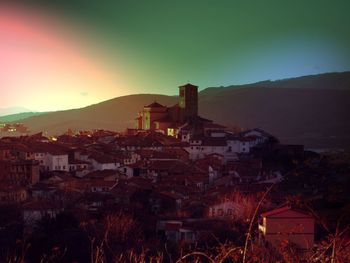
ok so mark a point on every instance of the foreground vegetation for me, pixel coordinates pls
(120, 234)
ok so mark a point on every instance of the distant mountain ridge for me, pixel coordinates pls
(311, 110)
(12, 110)
(336, 80)
(19, 116)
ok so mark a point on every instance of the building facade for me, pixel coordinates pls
(287, 224)
(168, 119)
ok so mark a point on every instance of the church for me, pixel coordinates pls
(170, 120)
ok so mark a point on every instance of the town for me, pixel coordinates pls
(175, 186)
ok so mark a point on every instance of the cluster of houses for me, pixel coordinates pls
(13, 128)
(185, 182)
(186, 171)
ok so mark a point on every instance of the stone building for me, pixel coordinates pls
(168, 119)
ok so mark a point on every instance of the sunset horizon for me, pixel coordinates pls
(15, 109)
(65, 57)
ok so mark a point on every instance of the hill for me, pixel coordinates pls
(114, 114)
(19, 116)
(310, 110)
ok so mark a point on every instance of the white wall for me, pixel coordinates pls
(199, 151)
(58, 162)
(52, 162)
(104, 166)
(238, 146)
(42, 158)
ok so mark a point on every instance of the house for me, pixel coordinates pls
(94, 201)
(36, 210)
(203, 146)
(222, 209)
(5, 152)
(198, 181)
(222, 143)
(259, 135)
(21, 151)
(57, 161)
(21, 172)
(245, 170)
(165, 201)
(240, 144)
(224, 203)
(161, 169)
(51, 157)
(101, 186)
(130, 157)
(130, 170)
(12, 193)
(212, 164)
(123, 193)
(78, 168)
(43, 190)
(287, 224)
(40, 156)
(62, 180)
(216, 139)
(104, 162)
(180, 153)
(176, 231)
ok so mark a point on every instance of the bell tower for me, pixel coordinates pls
(188, 101)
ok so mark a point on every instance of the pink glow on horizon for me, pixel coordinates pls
(45, 67)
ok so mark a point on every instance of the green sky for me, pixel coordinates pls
(161, 44)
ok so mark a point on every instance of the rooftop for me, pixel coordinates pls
(155, 105)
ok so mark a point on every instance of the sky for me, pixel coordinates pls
(63, 54)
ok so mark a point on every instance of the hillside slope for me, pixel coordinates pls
(317, 118)
(312, 110)
(114, 114)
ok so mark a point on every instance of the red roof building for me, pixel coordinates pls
(290, 225)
